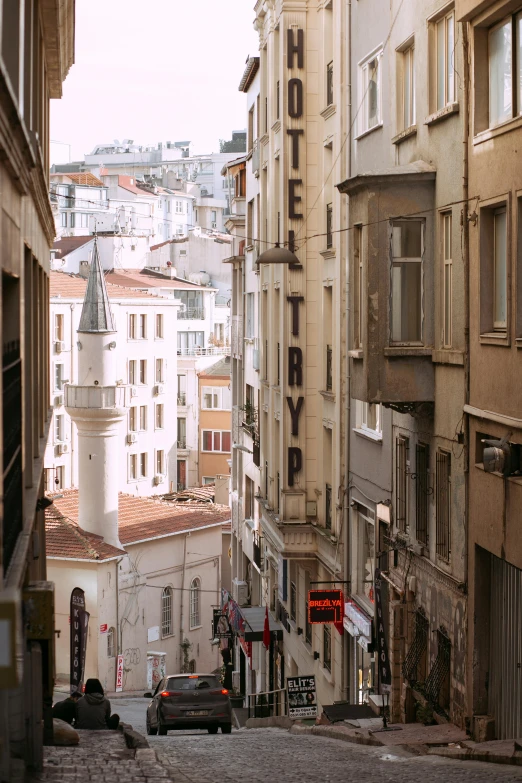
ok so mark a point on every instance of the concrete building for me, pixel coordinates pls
(296, 146)
(79, 200)
(145, 323)
(215, 420)
(491, 35)
(37, 50)
(405, 186)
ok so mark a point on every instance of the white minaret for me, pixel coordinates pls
(97, 405)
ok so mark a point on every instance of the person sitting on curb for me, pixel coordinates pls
(94, 710)
(66, 709)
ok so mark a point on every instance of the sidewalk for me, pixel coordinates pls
(102, 757)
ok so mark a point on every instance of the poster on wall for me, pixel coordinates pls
(302, 699)
(119, 673)
(79, 626)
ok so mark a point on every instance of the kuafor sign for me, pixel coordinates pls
(325, 606)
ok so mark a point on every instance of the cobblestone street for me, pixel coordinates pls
(274, 754)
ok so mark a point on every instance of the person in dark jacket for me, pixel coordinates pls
(94, 710)
(66, 709)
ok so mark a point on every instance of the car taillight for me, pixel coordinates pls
(166, 694)
(222, 690)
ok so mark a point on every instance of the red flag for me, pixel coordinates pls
(266, 631)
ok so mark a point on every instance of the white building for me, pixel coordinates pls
(79, 200)
(146, 599)
(145, 325)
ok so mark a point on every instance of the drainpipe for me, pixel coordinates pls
(72, 380)
(465, 260)
(119, 645)
(181, 618)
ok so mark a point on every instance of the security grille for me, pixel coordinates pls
(401, 486)
(437, 678)
(410, 667)
(422, 466)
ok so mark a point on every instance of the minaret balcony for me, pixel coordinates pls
(113, 399)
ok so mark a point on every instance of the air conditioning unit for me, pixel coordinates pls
(132, 438)
(58, 400)
(240, 592)
(159, 389)
(158, 479)
(59, 346)
(133, 391)
(62, 448)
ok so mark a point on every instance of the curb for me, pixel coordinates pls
(339, 733)
(279, 722)
(133, 739)
(468, 754)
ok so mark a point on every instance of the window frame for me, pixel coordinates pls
(132, 326)
(514, 20)
(133, 467)
(142, 372)
(363, 125)
(214, 391)
(329, 84)
(59, 376)
(142, 326)
(448, 99)
(329, 226)
(160, 463)
(133, 418)
(447, 275)
(493, 330)
(143, 416)
(159, 370)
(167, 615)
(132, 374)
(402, 471)
(214, 433)
(195, 604)
(159, 416)
(143, 467)
(159, 324)
(399, 261)
(358, 261)
(443, 505)
(408, 108)
(59, 327)
(362, 417)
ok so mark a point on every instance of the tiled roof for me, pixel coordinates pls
(73, 287)
(143, 280)
(80, 178)
(202, 494)
(140, 519)
(66, 245)
(220, 369)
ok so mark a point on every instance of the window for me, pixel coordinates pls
(159, 371)
(329, 84)
(447, 289)
(58, 427)
(133, 467)
(443, 504)
(58, 377)
(329, 234)
(250, 223)
(179, 207)
(293, 601)
(58, 327)
(182, 433)
(181, 474)
(159, 326)
(133, 418)
(249, 498)
(132, 371)
(505, 77)
(63, 219)
(132, 326)
(327, 647)
(422, 487)
(500, 269)
(143, 465)
(159, 416)
(278, 99)
(166, 612)
(216, 440)
(160, 462)
(368, 417)
(444, 57)
(370, 92)
(143, 326)
(143, 371)
(215, 398)
(143, 417)
(329, 358)
(250, 315)
(190, 342)
(365, 552)
(208, 480)
(402, 469)
(358, 287)
(328, 507)
(111, 643)
(195, 591)
(182, 389)
(493, 269)
(408, 87)
(406, 281)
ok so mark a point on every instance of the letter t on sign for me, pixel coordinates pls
(294, 301)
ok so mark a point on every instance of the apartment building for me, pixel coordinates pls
(407, 207)
(215, 420)
(295, 142)
(146, 327)
(37, 50)
(491, 33)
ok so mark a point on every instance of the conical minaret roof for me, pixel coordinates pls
(96, 312)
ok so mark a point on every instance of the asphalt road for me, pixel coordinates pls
(275, 755)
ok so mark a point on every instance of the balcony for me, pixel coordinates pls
(116, 398)
(182, 399)
(393, 312)
(198, 350)
(182, 443)
(192, 314)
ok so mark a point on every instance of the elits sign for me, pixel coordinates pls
(325, 606)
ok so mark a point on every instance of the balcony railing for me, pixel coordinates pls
(192, 314)
(12, 453)
(99, 397)
(182, 443)
(197, 350)
(182, 398)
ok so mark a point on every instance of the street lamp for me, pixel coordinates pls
(239, 447)
(278, 255)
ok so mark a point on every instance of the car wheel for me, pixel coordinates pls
(212, 729)
(226, 728)
(162, 729)
(150, 730)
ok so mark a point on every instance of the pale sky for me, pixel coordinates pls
(154, 70)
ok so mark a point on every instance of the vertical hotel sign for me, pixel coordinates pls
(295, 55)
(79, 627)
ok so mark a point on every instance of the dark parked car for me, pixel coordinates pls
(189, 701)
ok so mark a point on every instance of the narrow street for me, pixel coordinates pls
(274, 754)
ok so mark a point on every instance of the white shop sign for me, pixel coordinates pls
(359, 619)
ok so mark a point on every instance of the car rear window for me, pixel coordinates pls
(192, 683)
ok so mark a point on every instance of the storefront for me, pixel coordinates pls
(359, 626)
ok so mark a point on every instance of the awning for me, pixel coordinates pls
(254, 617)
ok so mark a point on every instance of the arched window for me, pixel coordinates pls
(195, 589)
(166, 612)
(111, 643)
